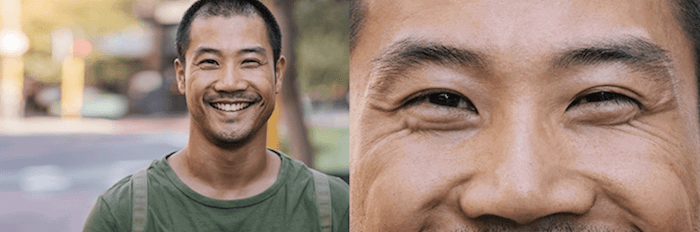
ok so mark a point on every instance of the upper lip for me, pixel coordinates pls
(231, 101)
(232, 97)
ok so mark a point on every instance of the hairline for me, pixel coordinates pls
(686, 14)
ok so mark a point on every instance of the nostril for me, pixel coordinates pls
(491, 220)
(554, 222)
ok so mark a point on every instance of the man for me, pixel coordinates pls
(510, 115)
(230, 70)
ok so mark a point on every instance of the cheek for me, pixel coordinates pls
(413, 173)
(395, 193)
(641, 173)
(193, 92)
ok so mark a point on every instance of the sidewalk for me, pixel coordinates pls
(173, 123)
(55, 125)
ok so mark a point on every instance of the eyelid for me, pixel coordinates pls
(621, 107)
(207, 61)
(421, 95)
(623, 94)
(423, 115)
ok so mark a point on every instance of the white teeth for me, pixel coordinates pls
(231, 107)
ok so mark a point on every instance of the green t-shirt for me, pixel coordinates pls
(288, 205)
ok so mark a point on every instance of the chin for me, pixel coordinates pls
(232, 138)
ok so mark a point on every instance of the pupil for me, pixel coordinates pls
(445, 99)
(601, 96)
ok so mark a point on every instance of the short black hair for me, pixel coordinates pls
(688, 16)
(227, 8)
(358, 15)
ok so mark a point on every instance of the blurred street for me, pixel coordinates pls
(52, 170)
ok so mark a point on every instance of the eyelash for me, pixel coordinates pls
(426, 96)
(208, 61)
(598, 99)
(604, 97)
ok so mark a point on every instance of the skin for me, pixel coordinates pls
(527, 146)
(229, 60)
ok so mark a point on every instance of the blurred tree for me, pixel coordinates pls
(323, 47)
(88, 19)
(292, 108)
(317, 62)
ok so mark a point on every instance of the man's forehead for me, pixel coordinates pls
(503, 21)
(219, 23)
(513, 26)
(233, 32)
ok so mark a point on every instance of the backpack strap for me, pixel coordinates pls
(140, 194)
(323, 197)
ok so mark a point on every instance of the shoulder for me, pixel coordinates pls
(113, 208)
(118, 194)
(121, 192)
(339, 189)
(300, 174)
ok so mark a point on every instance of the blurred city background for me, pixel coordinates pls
(88, 96)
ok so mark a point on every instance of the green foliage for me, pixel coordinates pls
(331, 146)
(322, 47)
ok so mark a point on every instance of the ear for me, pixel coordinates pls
(180, 76)
(279, 72)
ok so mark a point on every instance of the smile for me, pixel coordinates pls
(231, 107)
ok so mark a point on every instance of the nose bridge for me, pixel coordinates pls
(519, 173)
(231, 80)
(524, 180)
(522, 155)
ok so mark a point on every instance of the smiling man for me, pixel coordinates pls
(230, 70)
(510, 115)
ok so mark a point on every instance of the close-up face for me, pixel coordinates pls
(523, 116)
(229, 79)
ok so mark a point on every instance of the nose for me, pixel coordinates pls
(230, 80)
(529, 176)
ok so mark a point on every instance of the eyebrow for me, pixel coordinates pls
(409, 53)
(634, 52)
(412, 53)
(204, 50)
(255, 49)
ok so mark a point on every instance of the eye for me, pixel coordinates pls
(602, 99)
(439, 110)
(444, 99)
(604, 108)
(208, 62)
(250, 63)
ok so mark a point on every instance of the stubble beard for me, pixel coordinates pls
(231, 139)
(554, 223)
(235, 138)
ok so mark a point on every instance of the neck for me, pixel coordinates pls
(229, 171)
